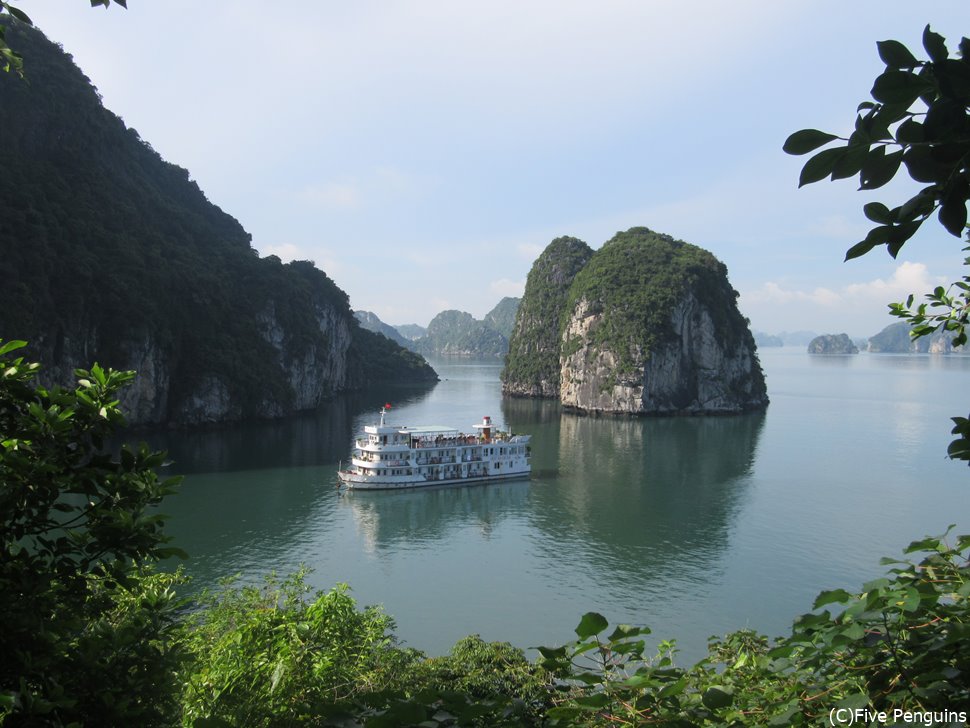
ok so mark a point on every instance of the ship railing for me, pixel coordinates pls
(435, 461)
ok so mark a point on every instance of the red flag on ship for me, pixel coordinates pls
(387, 406)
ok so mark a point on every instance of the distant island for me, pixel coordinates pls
(110, 254)
(453, 333)
(895, 339)
(764, 340)
(832, 344)
(784, 338)
(645, 325)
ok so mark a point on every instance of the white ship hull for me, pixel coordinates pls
(374, 484)
(389, 457)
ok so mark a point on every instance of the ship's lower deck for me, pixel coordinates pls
(354, 481)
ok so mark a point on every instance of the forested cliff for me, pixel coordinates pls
(644, 325)
(532, 366)
(108, 253)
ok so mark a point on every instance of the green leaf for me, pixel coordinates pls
(876, 584)
(784, 718)
(899, 234)
(19, 15)
(11, 345)
(935, 45)
(850, 163)
(820, 166)
(718, 696)
(859, 700)
(836, 596)
(623, 631)
(911, 600)
(923, 166)
(876, 236)
(594, 701)
(898, 87)
(878, 168)
(953, 216)
(806, 140)
(895, 55)
(591, 624)
(910, 132)
(927, 544)
(878, 212)
(954, 79)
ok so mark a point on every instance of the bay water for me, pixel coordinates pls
(692, 526)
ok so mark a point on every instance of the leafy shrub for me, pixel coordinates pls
(88, 636)
(901, 644)
(267, 656)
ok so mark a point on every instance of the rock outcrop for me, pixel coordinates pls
(648, 325)
(372, 322)
(457, 333)
(532, 368)
(502, 317)
(895, 339)
(110, 254)
(832, 344)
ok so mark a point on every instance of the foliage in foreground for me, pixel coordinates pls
(270, 656)
(267, 657)
(87, 634)
(93, 637)
(902, 644)
(918, 119)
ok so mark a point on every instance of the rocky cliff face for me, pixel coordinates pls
(693, 373)
(109, 254)
(651, 326)
(370, 321)
(311, 374)
(532, 368)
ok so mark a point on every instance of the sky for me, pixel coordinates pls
(424, 153)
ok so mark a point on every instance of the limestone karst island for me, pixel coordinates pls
(644, 325)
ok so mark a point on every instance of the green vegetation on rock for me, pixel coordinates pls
(532, 365)
(644, 325)
(636, 279)
(370, 321)
(108, 252)
(457, 333)
(502, 317)
(832, 344)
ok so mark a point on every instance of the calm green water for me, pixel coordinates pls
(693, 526)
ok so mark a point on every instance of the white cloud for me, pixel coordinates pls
(908, 278)
(857, 307)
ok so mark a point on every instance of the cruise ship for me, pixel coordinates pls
(391, 457)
